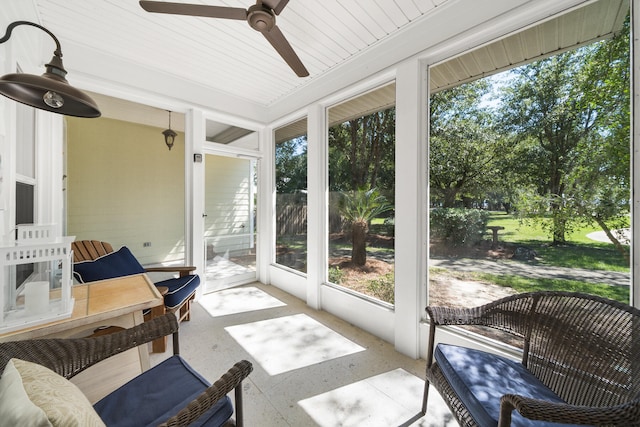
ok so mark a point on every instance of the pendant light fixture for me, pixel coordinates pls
(169, 135)
(50, 91)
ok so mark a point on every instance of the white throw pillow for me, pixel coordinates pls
(62, 401)
(15, 407)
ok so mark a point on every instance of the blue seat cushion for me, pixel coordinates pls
(480, 379)
(179, 289)
(116, 264)
(159, 393)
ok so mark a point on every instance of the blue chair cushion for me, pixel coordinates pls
(179, 289)
(116, 264)
(480, 379)
(159, 393)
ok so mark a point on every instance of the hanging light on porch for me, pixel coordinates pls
(169, 135)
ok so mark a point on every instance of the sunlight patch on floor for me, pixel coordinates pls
(238, 300)
(221, 268)
(389, 399)
(291, 342)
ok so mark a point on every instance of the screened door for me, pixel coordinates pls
(230, 218)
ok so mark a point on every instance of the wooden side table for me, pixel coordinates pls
(112, 302)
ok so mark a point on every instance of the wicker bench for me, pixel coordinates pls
(169, 394)
(580, 363)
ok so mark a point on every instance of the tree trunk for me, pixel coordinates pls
(559, 226)
(358, 242)
(620, 248)
(449, 198)
(558, 231)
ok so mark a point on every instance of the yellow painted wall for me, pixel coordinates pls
(125, 187)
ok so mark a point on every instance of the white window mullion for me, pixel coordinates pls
(635, 158)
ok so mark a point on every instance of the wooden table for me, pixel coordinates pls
(494, 237)
(112, 302)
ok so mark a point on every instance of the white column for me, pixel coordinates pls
(7, 136)
(410, 206)
(266, 207)
(49, 169)
(194, 191)
(635, 153)
(316, 204)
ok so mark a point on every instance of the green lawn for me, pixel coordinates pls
(526, 284)
(579, 252)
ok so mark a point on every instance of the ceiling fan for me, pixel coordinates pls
(261, 17)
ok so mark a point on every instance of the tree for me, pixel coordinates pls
(359, 207)
(574, 106)
(545, 104)
(463, 163)
(603, 182)
(465, 153)
(291, 165)
(361, 155)
(362, 152)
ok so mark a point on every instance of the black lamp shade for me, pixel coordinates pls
(50, 91)
(30, 89)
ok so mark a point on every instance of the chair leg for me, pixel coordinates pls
(239, 406)
(158, 345)
(425, 396)
(183, 313)
(185, 310)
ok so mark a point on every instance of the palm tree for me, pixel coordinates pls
(359, 207)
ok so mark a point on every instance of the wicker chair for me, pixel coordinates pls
(584, 349)
(70, 356)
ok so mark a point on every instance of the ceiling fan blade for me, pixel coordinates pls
(194, 10)
(282, 46)
(275, 5)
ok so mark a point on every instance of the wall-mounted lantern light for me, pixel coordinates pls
(50, 91)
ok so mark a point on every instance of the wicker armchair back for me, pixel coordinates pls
(584, 348)
(70, 356)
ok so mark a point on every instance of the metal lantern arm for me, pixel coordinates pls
(7, 35)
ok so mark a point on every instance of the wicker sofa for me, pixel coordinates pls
(580, 363)
(169, 394)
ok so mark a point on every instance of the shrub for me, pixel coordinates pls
(458, 226)
(335, 275)
(383, 288)
(390, 225)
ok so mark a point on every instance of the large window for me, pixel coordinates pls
(291, 195)
(361, 194)
(529, 173)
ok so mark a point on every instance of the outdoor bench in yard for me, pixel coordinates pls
(580, 363)
(34, 389)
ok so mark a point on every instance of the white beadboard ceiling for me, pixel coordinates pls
(229, 57)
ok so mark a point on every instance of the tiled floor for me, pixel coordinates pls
(310, 368)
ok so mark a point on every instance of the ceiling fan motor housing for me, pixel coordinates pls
(260, 18)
